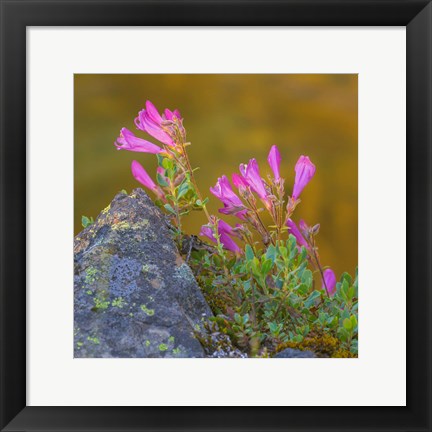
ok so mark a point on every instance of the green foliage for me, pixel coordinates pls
(86, 221)
(266, 298)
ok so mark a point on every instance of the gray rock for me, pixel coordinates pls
(134, 296)
(293, 353)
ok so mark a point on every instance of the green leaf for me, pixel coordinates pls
(238, 319)
(343, 334)
(310, 301)
(183, 189)
(161, 180)
(302, 289)
(249, 253)
(169, 208)
(271, 253)
(292, 243)
(347, 277)
(85, 221)
(307, 277)
(266, 267)
(347, 324)
(168, 164)
(283, 251)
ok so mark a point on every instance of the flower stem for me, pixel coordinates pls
(189, 167)
(319, 267)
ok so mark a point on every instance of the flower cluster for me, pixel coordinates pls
(175, 186)
(257, 277)
(176, 190)
(255, 194)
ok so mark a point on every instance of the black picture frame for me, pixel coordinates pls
(16, 15)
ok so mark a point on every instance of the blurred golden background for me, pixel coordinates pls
(230, 119)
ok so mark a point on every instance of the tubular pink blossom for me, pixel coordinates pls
(292, 229)
(232, 203)
(329, 282)
(150, 121)
(128, 141)
(140, 174)
(145, 123)
(251, 174)
(274, 160)
(224, 231)
(206, 231)
(239, 182)
(304, 170)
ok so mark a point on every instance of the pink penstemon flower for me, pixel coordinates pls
(274, 160)
(304, 170)
(251, 174)
(225, 232)
(232, 203)
(128, 141)
(141, 175)
(293, 229)
(329, 282)
(149, 120)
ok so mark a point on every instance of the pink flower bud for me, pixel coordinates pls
(292, 229)
(274, 160)
(225, 232)
(304, 170)
(329, 282)
(142, 176)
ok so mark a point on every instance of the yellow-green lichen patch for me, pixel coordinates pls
(118, 302)
(176, 351)
(106, 209)
(100, 304)
(171, 339)
(147, 343)
(146, 310)
(80, 344)
(93, 339)
(91, 274)
(89, 292)
(163, 347)
(124, 225)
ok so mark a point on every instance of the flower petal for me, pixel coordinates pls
(153, 113)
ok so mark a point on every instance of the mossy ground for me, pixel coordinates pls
(322, 344)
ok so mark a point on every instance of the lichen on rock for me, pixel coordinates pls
(134, 296)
